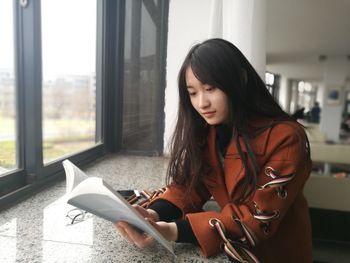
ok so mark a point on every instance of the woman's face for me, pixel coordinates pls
(210, 102)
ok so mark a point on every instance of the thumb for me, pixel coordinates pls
(154, 224)
(141, 210)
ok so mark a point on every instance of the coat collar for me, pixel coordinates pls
(259, 136)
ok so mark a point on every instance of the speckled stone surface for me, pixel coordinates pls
(37, 229)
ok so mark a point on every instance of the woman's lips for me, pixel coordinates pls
(208, 114)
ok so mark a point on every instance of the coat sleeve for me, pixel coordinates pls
(176, 194)
(280, 181)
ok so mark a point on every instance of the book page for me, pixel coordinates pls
(73, 175)
(97, 197)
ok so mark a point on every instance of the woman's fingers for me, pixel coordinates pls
(147, 213)
(122, 231)
(146, 242)
(141, 210)
(168, 230)
(154, 224)
(141, 240)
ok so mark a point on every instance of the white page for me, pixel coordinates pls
(97, 197)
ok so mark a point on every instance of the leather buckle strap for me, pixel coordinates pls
(144, 197)
(235, 250)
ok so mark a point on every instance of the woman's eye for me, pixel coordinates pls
(210, 88)
(192, 94)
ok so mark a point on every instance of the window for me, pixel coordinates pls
(8, 113)
(48, 78)
(306, 96)
(69, 76)
(143, 89)
(272, 83)
(61, 85)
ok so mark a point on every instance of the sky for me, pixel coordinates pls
(68, 36)
(6, 34)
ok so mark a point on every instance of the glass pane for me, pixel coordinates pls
(69, 76)
(141, 77)
(7, 89)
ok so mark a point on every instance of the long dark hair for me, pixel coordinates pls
(219, 63)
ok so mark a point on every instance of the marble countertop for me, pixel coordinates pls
(37, 229)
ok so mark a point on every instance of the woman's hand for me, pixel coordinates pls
(142, 240)
(147, 213)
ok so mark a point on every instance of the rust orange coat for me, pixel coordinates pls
(286, 238)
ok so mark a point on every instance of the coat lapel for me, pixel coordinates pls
(215, 181)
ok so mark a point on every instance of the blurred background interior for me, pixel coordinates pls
(85, 78)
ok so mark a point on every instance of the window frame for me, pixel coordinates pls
(31, 174)
(159, 12)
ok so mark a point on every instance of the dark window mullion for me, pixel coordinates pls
(112, 73)
(119, 74)
(163, 9)
(31, 88)
(19, 91)
(14, 186)
(99, 70)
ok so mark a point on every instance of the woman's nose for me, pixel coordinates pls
(203, 100)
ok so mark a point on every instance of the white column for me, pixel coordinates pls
(215, 19)
(320, 93)
(244, 24)
(284, 94)
(294, 96)
(335, 69)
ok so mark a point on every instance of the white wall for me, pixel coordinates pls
(188, 24)
(243, 22)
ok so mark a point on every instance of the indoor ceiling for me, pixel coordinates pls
(300, 31)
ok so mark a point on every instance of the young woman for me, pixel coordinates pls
(232, 143)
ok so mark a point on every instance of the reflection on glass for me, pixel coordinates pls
(141, 77)
(8, 240)
(69, 82)
(8, 228)
(8, 249)
(7, 89)
(57, 227)
(58, 235)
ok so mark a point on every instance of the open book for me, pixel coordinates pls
(94, 195)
